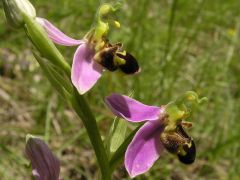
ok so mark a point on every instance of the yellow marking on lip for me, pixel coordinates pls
(119, 61)
(117, 24)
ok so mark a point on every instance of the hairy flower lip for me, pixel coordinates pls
(131, 65)
(190, 155)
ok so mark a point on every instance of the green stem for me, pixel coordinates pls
(83, 110)
(170, 26)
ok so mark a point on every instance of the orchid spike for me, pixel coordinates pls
(95, 53)
(164, 129)
(44, 164)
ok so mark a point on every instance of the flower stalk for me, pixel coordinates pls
(83, 110)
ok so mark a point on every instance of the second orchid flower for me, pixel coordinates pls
(164, 129)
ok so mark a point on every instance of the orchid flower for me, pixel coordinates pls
(94, 53)
(44, 164)
(164, 129)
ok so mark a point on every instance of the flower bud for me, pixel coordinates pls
(15, 10)
(45, 164)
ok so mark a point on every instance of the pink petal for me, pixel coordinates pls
(144, 149)
(56, 35)
(44, 164)
(85, 71)
(132, 110)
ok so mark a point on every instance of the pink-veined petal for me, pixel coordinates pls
(144, 149)
(85, 71)
(56, 35)
(44, 164)
(131, 109)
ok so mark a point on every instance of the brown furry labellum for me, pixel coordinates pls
(112, 58)
(179, 143)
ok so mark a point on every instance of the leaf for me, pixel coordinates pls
(118, 155)
(119, 130)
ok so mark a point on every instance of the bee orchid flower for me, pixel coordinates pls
(164, 129)
(94, 53)
(44, 164)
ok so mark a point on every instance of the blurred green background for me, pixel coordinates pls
(180, 45)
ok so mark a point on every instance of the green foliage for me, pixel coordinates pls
(116, 135)
(181, 45)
